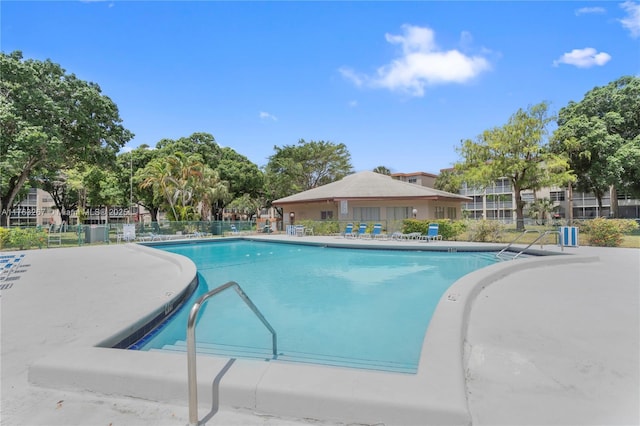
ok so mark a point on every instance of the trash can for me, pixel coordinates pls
(94, 234)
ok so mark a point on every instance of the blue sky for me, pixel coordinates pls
(399, 83)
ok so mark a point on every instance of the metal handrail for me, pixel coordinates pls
(515, 240)
(540, 237)
(191, 342)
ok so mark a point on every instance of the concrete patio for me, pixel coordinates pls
(556, 344)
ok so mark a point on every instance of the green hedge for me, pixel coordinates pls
(22, 239)
(449, 229)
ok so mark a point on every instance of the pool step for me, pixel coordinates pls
(291, 356)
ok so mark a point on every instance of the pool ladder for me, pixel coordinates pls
(191, 342)
(532, 243)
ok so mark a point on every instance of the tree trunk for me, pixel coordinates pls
(519, 209)
(570, 213)
(613, 202)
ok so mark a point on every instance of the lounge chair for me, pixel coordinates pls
(348, 231)
(432, 233)
(362, 231)
(377, 233)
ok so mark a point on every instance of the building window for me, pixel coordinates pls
(439, 212)
(452, 213)
(366, 213)
(398, 213)
(326, 215)
(413, 180)
(527, 197)
(556, 195)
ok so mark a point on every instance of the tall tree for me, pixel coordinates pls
(184, 183)
(197, 143)
(516, 151)
(601, 135)
(295, 168)
(48, 120)
(244, 177)
(449, 180)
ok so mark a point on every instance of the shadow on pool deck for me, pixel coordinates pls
(65, 301)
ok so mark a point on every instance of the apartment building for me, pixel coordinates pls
(39, 209)
(497, 202)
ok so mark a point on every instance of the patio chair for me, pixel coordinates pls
(348, 231)
(362, 231)
(234, 230)
(432, 233)
(55, 235)
(377, 233)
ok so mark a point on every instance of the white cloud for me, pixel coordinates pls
(588, 10)
(632, 21)
(583, 58)
(353, 104)
(421, 64)
(266, 116)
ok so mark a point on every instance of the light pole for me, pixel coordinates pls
(130, 187)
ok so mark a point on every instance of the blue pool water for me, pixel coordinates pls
(337, 306)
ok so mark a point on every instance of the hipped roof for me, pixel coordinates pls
(369, 185)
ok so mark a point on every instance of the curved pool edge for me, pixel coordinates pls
(123, 338)
(442, 357)
(435, 395)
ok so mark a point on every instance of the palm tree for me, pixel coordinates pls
(158, 174)
(209, 190)
(541, 209)
(382, 170)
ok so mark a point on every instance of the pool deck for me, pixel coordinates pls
(535, 341)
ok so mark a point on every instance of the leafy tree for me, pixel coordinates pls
(102, 188)
(200, 143)
(246, 204)
(244, 177)
(63, 194)
(382, 170)
(601, 136)
(48, 120)
(516, 151)
(296, 168)
(449, 180)
(131, 165)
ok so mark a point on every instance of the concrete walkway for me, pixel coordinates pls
(554, 345)
(558, 345)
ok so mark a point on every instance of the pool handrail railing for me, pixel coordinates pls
(191, 342)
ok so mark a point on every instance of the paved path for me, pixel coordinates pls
(558, 345)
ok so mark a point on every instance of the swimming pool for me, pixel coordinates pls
(337, 306)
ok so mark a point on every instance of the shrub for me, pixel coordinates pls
(449, 229)
(4, 237)
(485, 231)
(322, 227)
(603, 232)
(24, 238)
